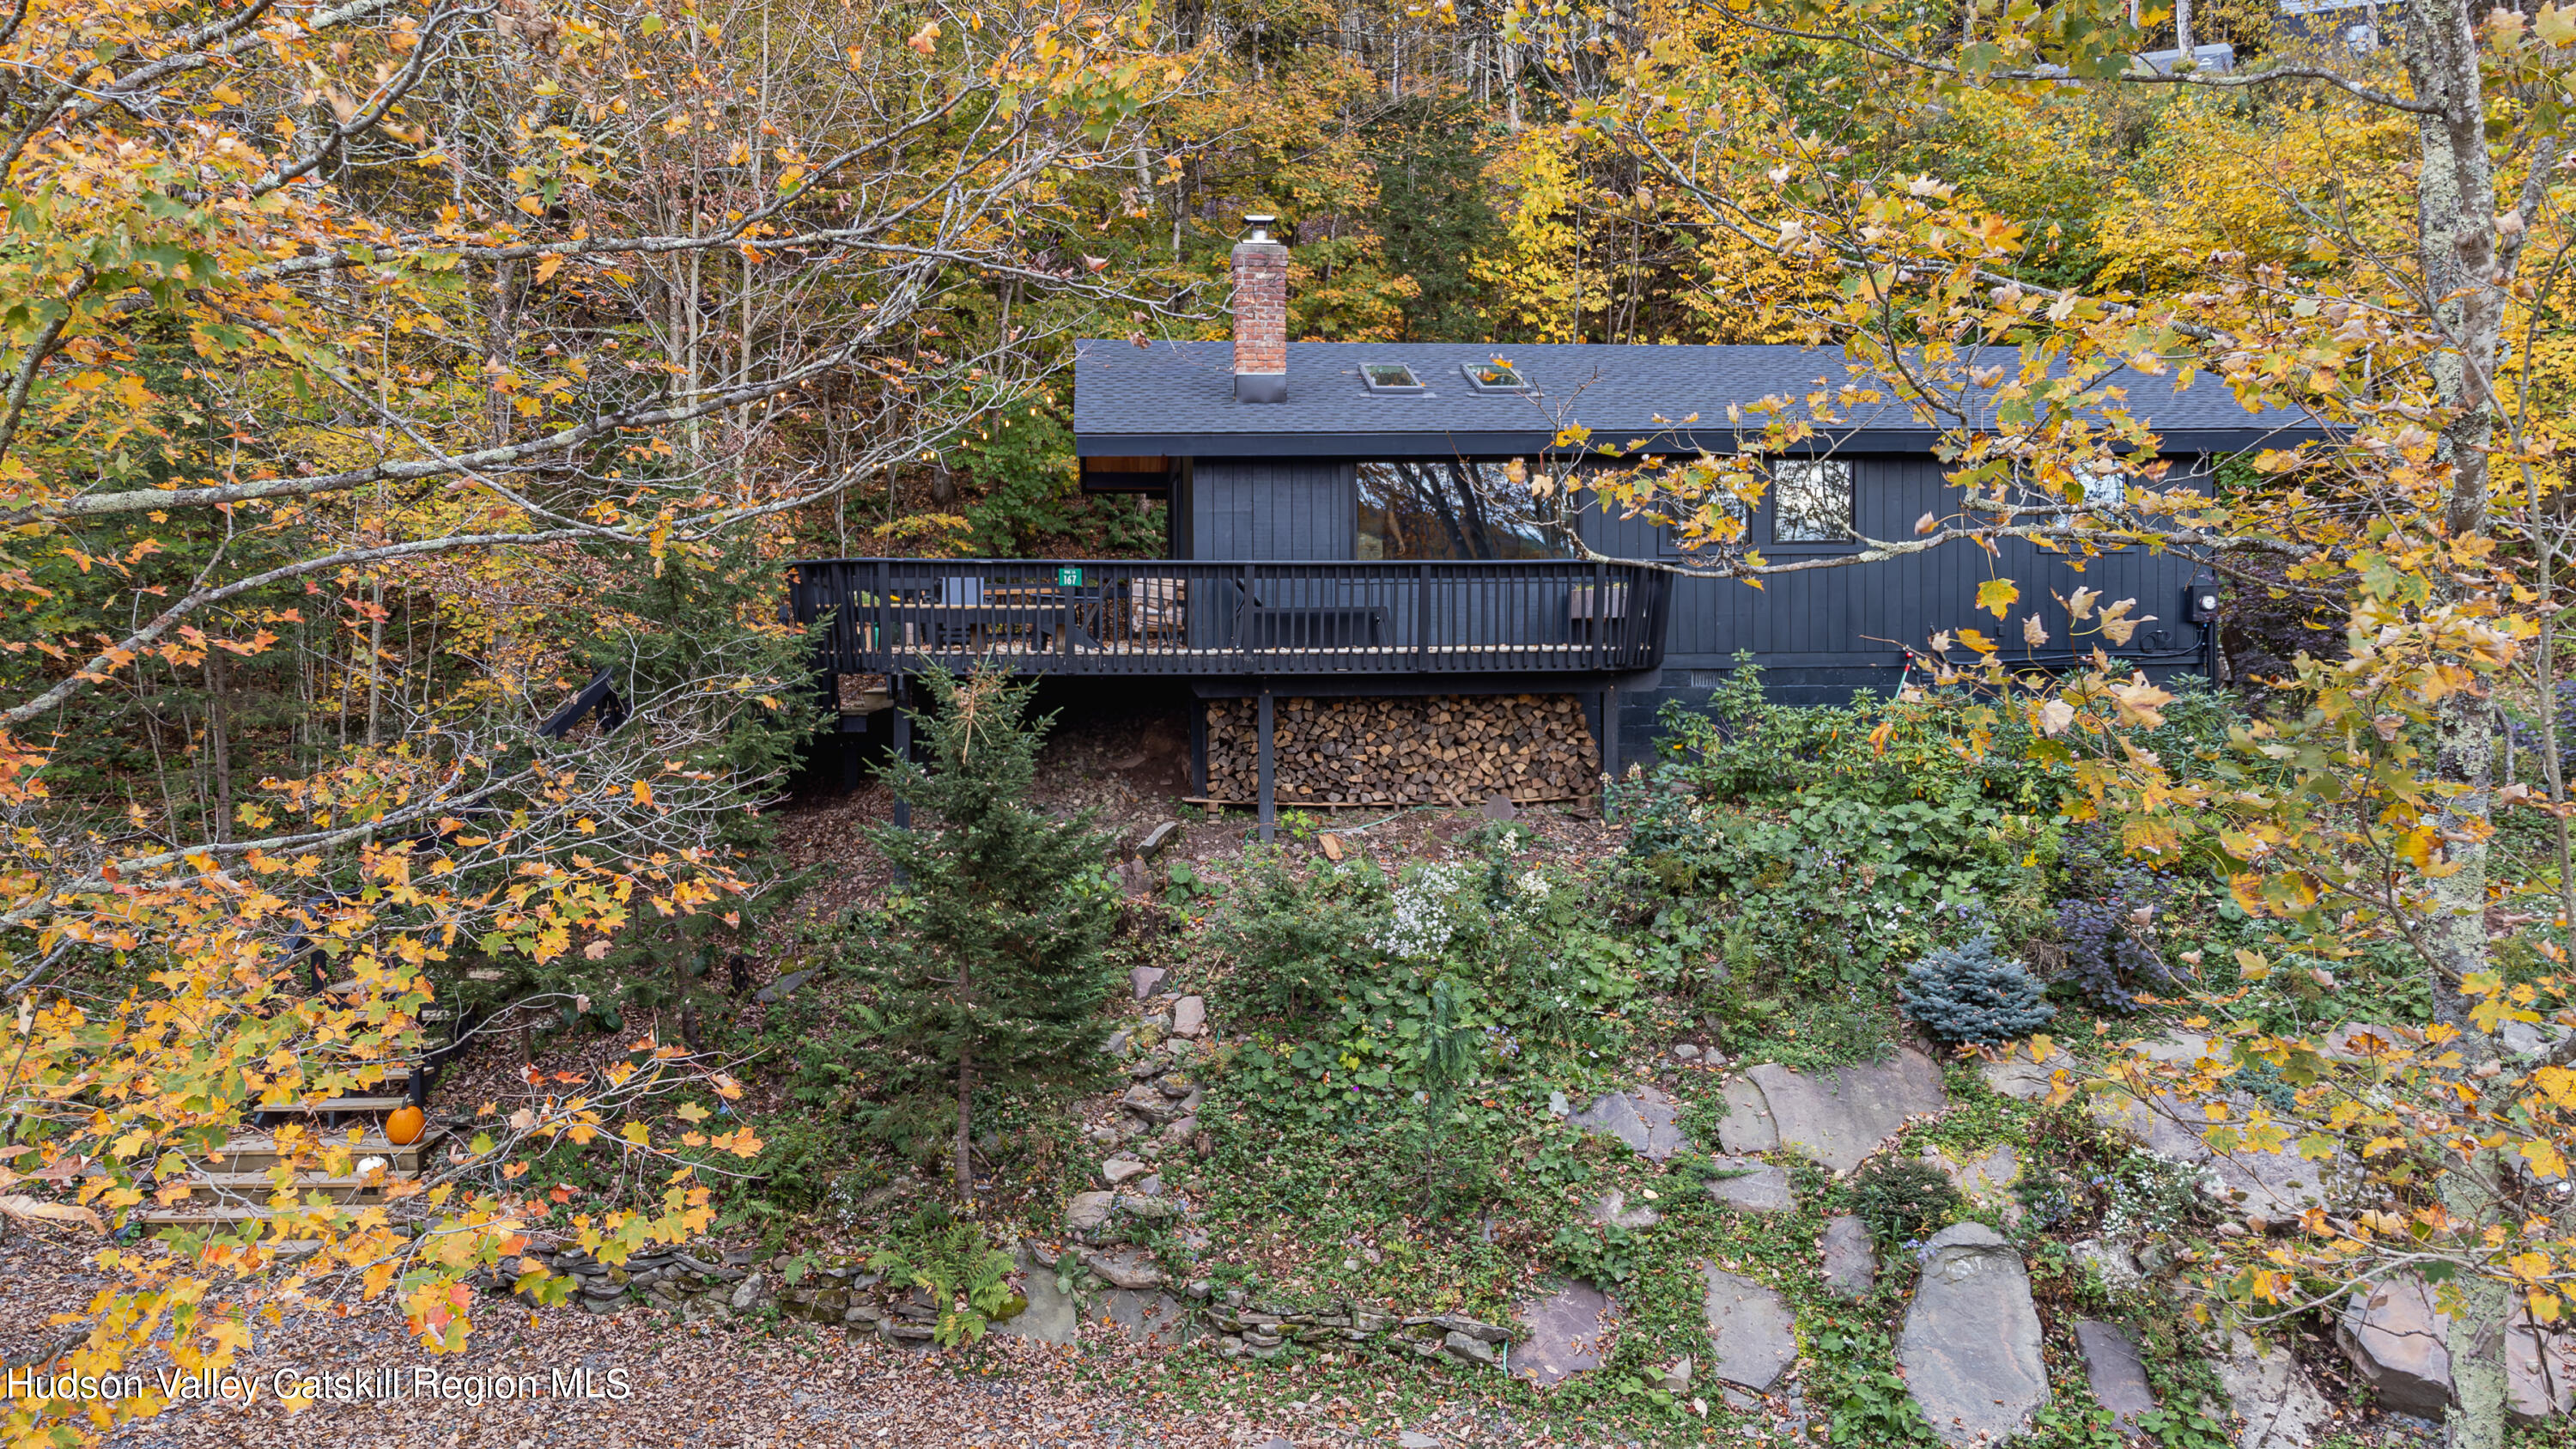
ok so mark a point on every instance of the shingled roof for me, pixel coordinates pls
(1177, 399)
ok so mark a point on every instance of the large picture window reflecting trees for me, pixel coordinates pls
(1451, 510)
(1812, 501)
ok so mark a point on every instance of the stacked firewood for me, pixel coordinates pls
(1429, 750)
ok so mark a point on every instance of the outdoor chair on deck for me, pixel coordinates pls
(1157, 611)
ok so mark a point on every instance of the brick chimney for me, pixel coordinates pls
(1260, 316)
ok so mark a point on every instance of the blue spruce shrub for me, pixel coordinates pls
(1967, 993)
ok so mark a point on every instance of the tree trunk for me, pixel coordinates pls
(2182, 31)
(219, 748)
(966, 1124)
(2463, 272)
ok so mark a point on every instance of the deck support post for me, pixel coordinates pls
(1199, 747)
(902, 744)
(1609, 744)
(1269, 812)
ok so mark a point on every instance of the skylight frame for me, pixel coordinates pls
(1411, 386)
(1475, 372)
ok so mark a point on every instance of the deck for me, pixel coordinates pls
(1215, 620)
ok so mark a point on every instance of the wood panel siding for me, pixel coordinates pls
(1839, 618)
(1287, 510)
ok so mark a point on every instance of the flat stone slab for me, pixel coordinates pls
(2275, 1185)
(1156, 1319)
(1752, 1336)
(1837, 1118)
(1051, 1316)
(1612, 1208)
(1748, 1126)
(1569, 1333)
(1647, 1119)
(1765, 1189)
(2012, 1073)
(2112, 1367)
(1971, 1347)
(2539, 1372)
(2271, 1393)
(1851, 1258)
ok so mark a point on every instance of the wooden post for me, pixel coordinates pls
(902, 743)
(1609, 744)
(1269, 815)
(1199, 748)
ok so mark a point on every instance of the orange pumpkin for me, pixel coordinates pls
(404, 1127)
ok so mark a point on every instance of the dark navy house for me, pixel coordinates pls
(1343, 521)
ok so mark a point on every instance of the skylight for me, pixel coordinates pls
(1494, 376)
(1389, 377)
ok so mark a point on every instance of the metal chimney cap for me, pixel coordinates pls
(1260, 223)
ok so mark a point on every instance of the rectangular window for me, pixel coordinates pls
(1389, 377)
(2106, 489)
(1452, 510)
(1811, 501)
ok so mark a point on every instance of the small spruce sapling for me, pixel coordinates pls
(1967, 993)
(992, 974)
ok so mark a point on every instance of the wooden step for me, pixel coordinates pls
(259, 1153)
(341, 1104)
(257, 1185)
(188, 1217)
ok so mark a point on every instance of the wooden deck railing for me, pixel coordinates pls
(1171, 617)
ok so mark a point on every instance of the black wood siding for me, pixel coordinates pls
(1249, 508)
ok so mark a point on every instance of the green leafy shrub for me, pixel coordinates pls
(1968, 993)
(1299, 936)
(1903, 1198)
(968, 1279)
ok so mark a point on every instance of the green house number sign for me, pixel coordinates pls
(1069, 577)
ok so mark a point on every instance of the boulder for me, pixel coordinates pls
(1752, 1337)
(1765, 1189)
(2398, 1339)
(1144, 979)
(1089, 1212)
(2112, 1367)
(1189, 1018)
(1838, 1118)
(782, 988)
(1851, 1259)
(1971, 1345)
(1118, 1169)
(2271, 1393)
(2396, 1336)
(1148, 1103)
(1646, 1119)
(1569, 1332)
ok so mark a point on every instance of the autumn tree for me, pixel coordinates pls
(366, 365)
(2364, 805)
